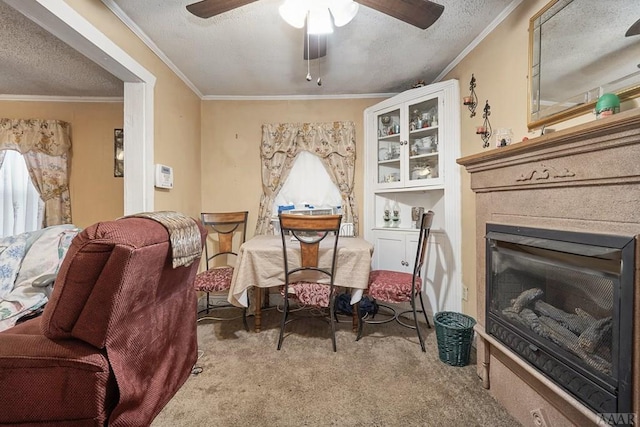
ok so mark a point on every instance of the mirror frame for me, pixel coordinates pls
(570, 112)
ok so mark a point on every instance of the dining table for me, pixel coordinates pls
(260, 265)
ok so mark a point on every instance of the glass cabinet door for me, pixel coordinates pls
(423, 149)
(389, 147)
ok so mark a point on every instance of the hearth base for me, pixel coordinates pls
(525, 392)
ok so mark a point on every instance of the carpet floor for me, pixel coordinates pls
(382, 380)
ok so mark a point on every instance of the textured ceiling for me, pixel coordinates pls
(33, 62)
(249, 51)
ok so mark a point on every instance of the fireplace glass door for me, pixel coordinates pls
(563, 302)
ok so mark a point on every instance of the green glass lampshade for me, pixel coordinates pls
(608, 101)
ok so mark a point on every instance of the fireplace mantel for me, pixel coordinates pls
(584, 179)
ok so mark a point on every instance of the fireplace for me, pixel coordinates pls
(563, 301)
(567, 195)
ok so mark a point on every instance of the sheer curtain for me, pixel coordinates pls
(308, 182)
(22, 208)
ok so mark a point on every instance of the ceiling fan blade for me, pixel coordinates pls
(209, 8)
(633, 30)
(420, 13)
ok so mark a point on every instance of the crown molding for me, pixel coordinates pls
(492, 26)
(295, 97)
(43, 98)
(116, 10)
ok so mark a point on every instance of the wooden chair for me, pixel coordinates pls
(397, 287)
(227, 231)
(306, 232)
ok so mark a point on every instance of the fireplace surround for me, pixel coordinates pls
(583, 181)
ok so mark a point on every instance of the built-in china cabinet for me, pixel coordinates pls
(412, 141)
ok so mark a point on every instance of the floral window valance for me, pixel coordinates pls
(51, 137)
(321, 139)
(334, 143)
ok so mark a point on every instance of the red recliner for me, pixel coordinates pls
(116, 340)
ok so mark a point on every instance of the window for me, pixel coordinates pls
(22, 208)
(308, 183)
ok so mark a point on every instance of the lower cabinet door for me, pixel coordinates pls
(390, 252)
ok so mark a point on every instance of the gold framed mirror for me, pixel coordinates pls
(577, 51)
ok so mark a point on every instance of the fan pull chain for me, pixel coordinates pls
(308, 60)
(319, 78)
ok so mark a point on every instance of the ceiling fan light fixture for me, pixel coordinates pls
(294, 12)
(343, 11)
(319, 21)
(321, 15)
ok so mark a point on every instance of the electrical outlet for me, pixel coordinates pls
(539, 419)
(465, 293)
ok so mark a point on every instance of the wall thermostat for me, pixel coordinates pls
(164, 176)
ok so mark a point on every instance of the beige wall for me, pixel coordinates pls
(95, 194)
(176, 112)
(500, 66)
(231, 134)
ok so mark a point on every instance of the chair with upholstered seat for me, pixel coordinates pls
(304, 233)
(394, 287)
(227, 231)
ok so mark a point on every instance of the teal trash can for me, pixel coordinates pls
(454, 332)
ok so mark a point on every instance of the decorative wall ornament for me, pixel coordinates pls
(485, 130)
(471, 101)
(118, 153)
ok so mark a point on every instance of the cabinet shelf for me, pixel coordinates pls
(392, 137)
(438, 186)
(423, 131)
(423, 156)
(389, 162)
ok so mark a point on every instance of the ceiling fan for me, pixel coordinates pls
(419, 13)
(634, 29)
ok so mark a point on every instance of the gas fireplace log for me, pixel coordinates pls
(526, 298)
(592, 360)
(558, 333)
(580, 312)
(595, 335)
(574, 322)
(510, 314)
(525, 318)
(569, 341)
(532, 320)
(553, 330)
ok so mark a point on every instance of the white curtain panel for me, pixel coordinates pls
(308, 182)
(22, 208)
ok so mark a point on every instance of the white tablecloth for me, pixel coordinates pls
(260, 263)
